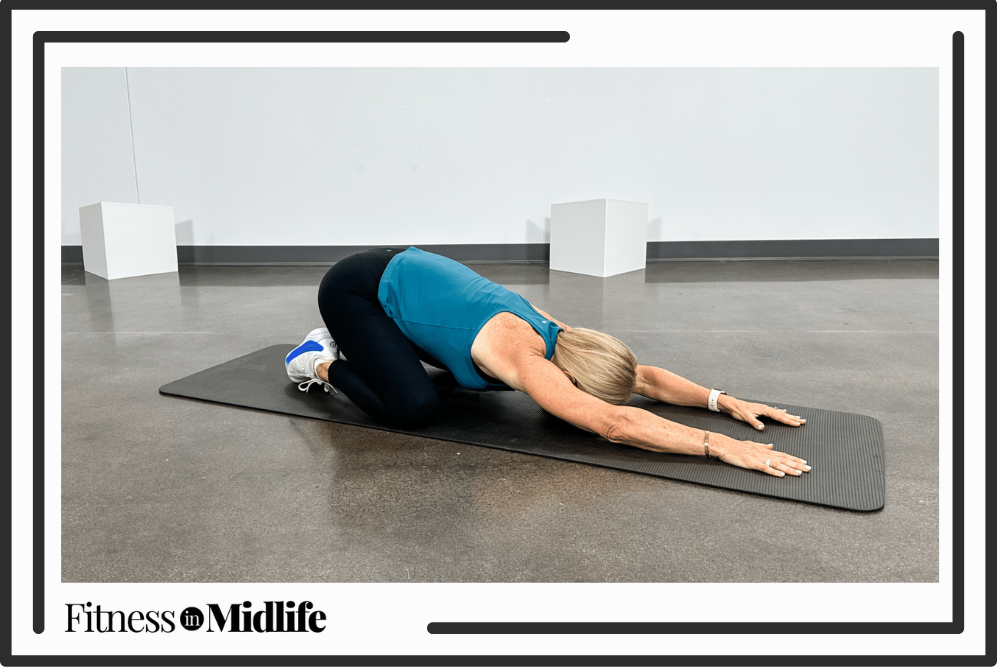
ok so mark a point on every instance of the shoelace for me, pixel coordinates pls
(304, 386)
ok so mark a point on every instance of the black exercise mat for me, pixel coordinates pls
(844, 449)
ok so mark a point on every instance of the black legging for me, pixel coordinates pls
(382, 374)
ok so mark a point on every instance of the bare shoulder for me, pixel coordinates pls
(504, 344)
(509, 349)
(506, 327)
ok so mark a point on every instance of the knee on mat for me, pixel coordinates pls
(418, 410)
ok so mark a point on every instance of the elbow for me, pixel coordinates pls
(616, 429)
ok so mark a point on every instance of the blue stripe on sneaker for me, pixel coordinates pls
(308, 346)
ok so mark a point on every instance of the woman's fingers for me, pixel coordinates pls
(783, 463)
(777, 414)
(771, 468)
(782, 467)
(762, 457)
(750, 414)
(796, 463)
(782, 416)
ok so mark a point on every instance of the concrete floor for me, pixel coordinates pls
(159, 489)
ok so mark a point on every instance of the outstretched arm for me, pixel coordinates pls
(551, 389)
(662, 385)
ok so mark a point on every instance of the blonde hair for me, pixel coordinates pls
(602, 365)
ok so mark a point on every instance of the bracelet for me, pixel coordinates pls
(707, 455)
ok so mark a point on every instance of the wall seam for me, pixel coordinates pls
(131, 137)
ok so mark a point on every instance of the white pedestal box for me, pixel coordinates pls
(123, 240)
(600, 237)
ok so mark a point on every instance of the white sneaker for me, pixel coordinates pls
(301, 363)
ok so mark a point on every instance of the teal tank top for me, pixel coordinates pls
(440, 306)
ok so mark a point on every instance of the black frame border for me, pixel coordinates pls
(955, 627)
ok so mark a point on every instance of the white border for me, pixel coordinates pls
(605, 38)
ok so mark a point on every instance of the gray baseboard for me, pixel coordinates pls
(539, 252)
(793, 249)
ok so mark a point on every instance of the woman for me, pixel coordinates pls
(389, 309)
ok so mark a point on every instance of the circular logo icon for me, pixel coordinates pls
(192, 618)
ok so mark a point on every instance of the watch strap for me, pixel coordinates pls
(713, 399)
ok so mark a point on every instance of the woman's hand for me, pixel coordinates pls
(749, 412)
(755, 456)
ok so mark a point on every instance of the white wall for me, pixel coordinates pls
(358, 156)
(96, 144)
